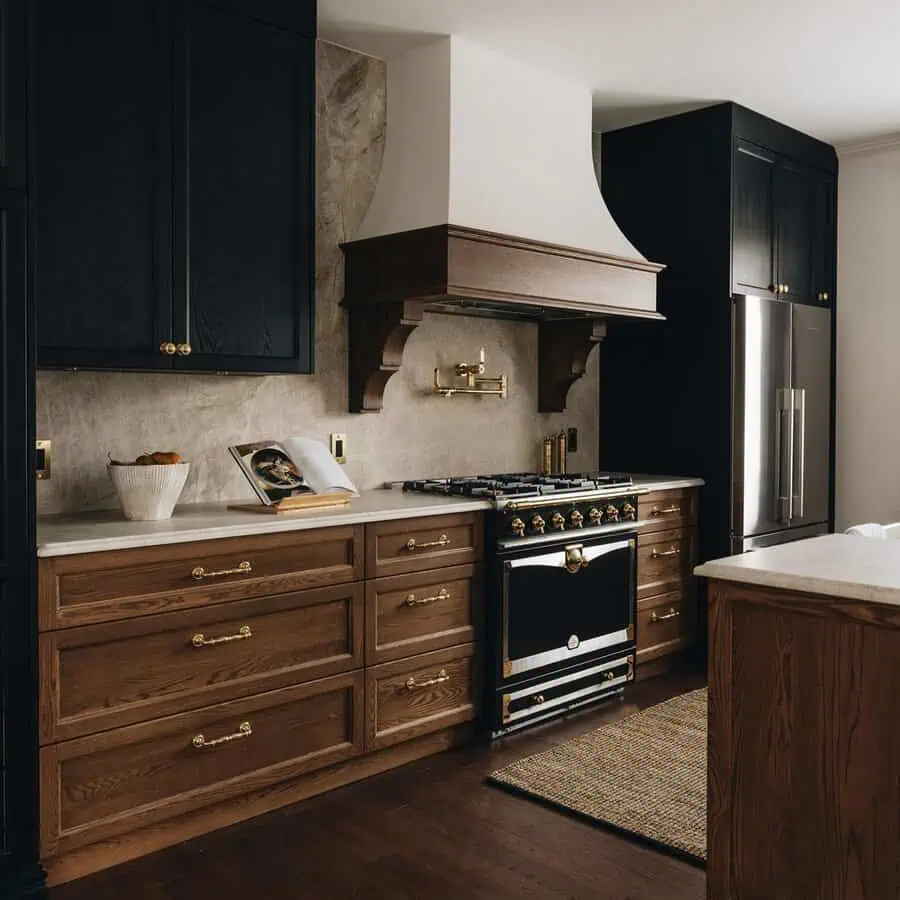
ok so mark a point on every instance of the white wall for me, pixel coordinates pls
(868, 378)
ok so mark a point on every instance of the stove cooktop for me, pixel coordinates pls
(497, 487)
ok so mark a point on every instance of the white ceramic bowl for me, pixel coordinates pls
(149, 493)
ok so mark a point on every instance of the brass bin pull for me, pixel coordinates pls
(575, 560)
(442, 541)
(201, 743)
(671, 614)
(412, 684)
(242, 568)
(201, 640)
(665, 511)
(661, 554)
(413, 600)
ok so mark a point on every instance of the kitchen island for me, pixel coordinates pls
(804, 736)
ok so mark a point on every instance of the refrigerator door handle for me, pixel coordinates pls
(798, 405)
(784, 454)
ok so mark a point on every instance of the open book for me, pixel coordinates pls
(290, 468)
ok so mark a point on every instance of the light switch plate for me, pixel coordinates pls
(338, 443)
(42, 459)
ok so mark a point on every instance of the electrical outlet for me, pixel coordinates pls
(338, 443)
(42, 460)
(572, 440)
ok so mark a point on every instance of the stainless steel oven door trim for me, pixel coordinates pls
(567, 699)
(560, 654)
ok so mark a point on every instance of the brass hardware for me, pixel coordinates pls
(595, 516)
(538, 524)
(630, 662)
(538, 698)
(575, 560)
(628, 512)
(442, 541)
(665, 511)
(201, 640)
(576, 519)
(242, 568)
(518, 527)
(475, 383)
(787, 289)
(671, 614)
(167, 348)
(201, 743)
(612, 514)
(440, 678)
(629, 632)
(558, 521)
(412, 600)
(824, 296)
(44, 470)
(586, 496)
(183, 349)
(609, 676)
(504, 708)
(661, 554)
(507, 668)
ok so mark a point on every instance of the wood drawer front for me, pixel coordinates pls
(401, 704)
(437, 541)
(665, 561)
(410, 614)
(97, 787)
(669, 625)
(97, 587)
(98, 677)
(668, 509)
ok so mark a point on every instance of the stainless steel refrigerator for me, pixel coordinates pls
(781, 409)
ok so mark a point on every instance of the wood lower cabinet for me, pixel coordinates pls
(175, 701)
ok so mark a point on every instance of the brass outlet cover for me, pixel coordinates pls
(42, 459)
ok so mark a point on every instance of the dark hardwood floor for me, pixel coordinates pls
(432, 829)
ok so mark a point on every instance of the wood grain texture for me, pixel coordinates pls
(564, 346)
(805, 779)
(397, 629)
(111, 783)
(665, 561)
(100, 587)
(387, 553)
(97, 677)
(677, 508)
(397, 711)
(670, 634)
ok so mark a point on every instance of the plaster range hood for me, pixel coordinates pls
(487, 204)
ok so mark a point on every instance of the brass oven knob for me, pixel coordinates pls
(628, 512)
(558, 521)
(167, 348)
(595, 515)
(538, 524)
(576, 519)
(518, 527)
(611, 513)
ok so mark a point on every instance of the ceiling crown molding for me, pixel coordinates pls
(869, 145)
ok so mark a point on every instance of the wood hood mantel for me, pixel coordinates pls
(392, 280)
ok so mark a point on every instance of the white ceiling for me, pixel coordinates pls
(828, 67)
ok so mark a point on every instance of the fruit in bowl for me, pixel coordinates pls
(149, 487)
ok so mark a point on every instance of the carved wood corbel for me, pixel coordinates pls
(564, 346)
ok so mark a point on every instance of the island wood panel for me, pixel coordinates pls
(97, 677)
(411, 697)
(96, 787)
(804, 751)
(424, 611)
(98, 587)
(414, 545)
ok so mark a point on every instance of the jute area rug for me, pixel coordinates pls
(644, 775)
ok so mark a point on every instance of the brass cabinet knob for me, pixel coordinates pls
(538, 524)
(595, 516)
(167, 348)
(787, 288)
(612, 514)
(824, 296)
(183, 349)
(518, 527)
(576, 519)
(629, 512)
(558, 521)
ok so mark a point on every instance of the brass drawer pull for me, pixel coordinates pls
(665, 511)
(442, 541)
(413, 600)
(243, 568)
(671, 614)
(201, 743)
(412, 684)
(201, 640)
(661, 554)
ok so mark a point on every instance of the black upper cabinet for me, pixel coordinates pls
(244, 218)
(101, 158)
(824, 235)
(12, 94)
(753, 238)
(176, 231)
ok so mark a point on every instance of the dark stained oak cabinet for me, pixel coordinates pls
(173, 172)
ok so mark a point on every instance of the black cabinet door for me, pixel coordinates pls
(12, 94)
(753, 222)
(102, 217)
(244, 220)
(824, 234)
(794, 230)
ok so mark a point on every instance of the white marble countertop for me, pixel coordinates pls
(836, 565)
(93, 532)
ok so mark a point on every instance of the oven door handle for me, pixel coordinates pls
(560, 557)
